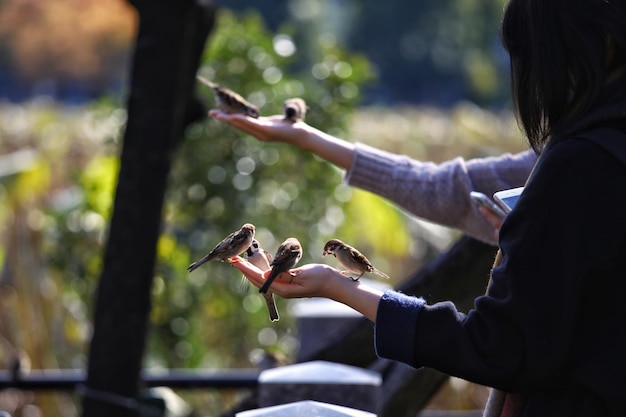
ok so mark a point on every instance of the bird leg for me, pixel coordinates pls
(352, 278)
(293, 274)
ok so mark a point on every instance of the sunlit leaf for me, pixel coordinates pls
(98, 181)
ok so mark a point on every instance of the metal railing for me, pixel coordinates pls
(71, 379)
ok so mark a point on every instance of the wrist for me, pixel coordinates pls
(308, 139)
(334, 150)
(352, 293)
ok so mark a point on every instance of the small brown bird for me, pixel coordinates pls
(262, 259)
(229, 248)
(287, 256)
(351, 259)
(230, 102)
(294, 109)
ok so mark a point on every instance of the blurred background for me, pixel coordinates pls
(425, 78)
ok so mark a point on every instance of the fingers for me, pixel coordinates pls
(272, 128)
(243, 121)
(492, 218)
(254, 274)
(246, 124)
(258, 277)
(305, 281)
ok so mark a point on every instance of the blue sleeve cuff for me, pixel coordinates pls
(396, 324)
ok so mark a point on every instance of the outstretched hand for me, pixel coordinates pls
(266, 129)
(317, 280)
(309, 280)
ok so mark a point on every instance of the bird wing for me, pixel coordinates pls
(227, 242)
(358, 257)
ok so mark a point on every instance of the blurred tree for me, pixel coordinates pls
(66, 42)
(426, 51)
(432, 51)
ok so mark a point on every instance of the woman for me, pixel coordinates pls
(549, 328)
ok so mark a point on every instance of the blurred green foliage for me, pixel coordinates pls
(434, 52)
(222, 179)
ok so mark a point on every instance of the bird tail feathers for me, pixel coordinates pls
(380, 273)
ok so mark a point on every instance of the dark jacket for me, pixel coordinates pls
(551, 325)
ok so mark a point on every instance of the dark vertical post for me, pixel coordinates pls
(169, 43)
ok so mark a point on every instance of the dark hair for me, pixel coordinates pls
(565, 55)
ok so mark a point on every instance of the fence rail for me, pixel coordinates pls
(70, 379)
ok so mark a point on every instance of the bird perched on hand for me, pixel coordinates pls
(229, 248)
(230, 102)
(262, 259)
(287, 256)
(351, 259)
(294, 109)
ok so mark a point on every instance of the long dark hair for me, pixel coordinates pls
(566, 58)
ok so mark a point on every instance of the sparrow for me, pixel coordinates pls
(287, 256)
(262, 259)
(230, 102)
(351, 259)
(229, 248)
(294, 109)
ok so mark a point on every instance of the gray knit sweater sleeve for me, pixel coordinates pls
(439, 192)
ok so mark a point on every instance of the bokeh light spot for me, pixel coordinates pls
(246, 165)
(216, 175)
(272, 75)
(284, 45)
(342, 69)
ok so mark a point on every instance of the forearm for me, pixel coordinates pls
(438, 192)
(356, 295)
(334, 150)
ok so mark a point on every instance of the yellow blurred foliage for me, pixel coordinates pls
(31, 183)
(99, 180)
(382, 225)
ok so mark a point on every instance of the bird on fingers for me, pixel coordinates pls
(230, 102)
(287, 256)
(262, 259)
(229, 248)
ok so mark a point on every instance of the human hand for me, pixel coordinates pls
(312, 280)
(266, 129)
(493, 218)
(318, 280)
